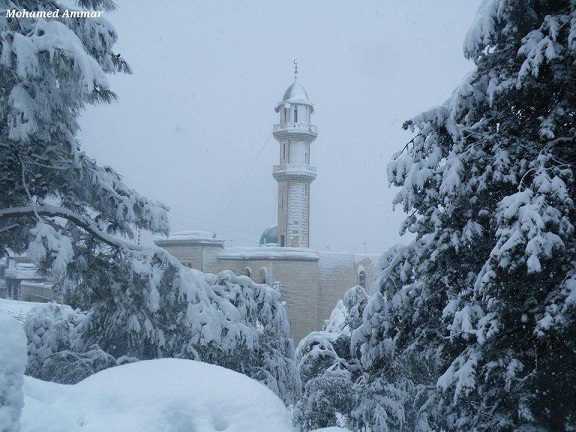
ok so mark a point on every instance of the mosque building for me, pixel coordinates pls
(311, 281)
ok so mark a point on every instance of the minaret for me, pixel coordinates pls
(295, 133)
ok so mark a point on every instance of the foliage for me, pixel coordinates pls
(328, 368)
(75, 220)
(55, 349)
(472, 325)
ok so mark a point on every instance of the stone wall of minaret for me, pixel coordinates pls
(298, 219)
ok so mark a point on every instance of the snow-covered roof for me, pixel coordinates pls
(268, 253)
(330, 258)
(191, 237)
(23, 271)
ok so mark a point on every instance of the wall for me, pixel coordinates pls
(339, 273)
(299, 279)
(203, 257)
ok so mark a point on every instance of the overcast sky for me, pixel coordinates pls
(192, 127)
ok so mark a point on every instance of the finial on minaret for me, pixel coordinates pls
(295, 69)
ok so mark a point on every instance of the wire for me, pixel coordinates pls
(215, 223)
(243, 177)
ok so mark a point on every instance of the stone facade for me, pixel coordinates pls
(195, 249)
(295, 270)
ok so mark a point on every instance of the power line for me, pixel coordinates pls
(246, 177)
(214, 223)
(242, 179)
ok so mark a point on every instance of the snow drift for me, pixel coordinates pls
(167, 395)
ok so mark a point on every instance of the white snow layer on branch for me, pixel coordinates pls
(482, 31)
(55, 38)
(27, 104)
(48, 242)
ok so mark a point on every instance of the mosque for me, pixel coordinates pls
(311, 281)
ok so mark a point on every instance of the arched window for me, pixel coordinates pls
(247, 271)
(362, 278)
(263, 275)
(295, 114)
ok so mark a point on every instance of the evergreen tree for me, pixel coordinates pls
(75, 219)
(328, 368)
(473, 326)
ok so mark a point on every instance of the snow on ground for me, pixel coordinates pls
(167, 395)
(12, 365)
(18, 309)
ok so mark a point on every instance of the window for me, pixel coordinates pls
(362, 278)
(247, 271)
(295, 114)
(282, 241)
(263, 275)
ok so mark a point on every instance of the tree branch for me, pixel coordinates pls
(82, 221)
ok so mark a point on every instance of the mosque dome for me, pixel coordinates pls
(269, 236)
(296, 92)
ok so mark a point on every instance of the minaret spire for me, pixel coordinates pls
(295, 69)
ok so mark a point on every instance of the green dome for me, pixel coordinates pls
(269, 236)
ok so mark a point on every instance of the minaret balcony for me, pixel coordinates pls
(288, 172)
(300, 131)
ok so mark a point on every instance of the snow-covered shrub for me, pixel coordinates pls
(12, 366)
(50, 329)
(68, 367)
(55, 349)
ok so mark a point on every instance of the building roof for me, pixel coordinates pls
(191, 237)
(268, 253)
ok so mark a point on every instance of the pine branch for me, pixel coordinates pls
(82, 221)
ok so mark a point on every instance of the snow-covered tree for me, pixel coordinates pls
(485, 297)
(328, 368)
(75, 219)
